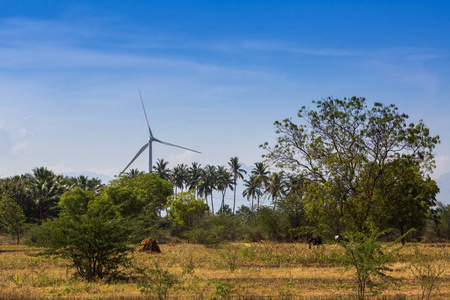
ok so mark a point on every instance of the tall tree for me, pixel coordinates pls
(179, 176)
(210, 179)
(194, 174)
(134, 172)
(224, 182)
(276, 186)
(46, 188)
(251, 190)
(161, 169)
(16, 188)
(261, 177)
(347, 147)
(238, 173)
(85, 183)
(12, 218)
(406, 203)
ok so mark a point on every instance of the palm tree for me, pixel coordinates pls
(252, 190)
(179, 176)
(133, 173)
(193, 177)
(235, 167)
(224, 181)
(276, 186)
(203, 185)
(46, 187)
(261, 175)
(210, 181)
(161, 169)
(94, 185)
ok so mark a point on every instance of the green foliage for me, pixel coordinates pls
(225, 210)
(369, 258)
(441, 221)
(16, 188)
(12, 218)
(158, 281)
(46, 188)
(351, 152)
(132, 194)
(223, 288)
(76, 201)
(184, 210)
(408, 201)
(95, 240)
(215, 229)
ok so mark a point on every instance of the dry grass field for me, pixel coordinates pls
(234, 271)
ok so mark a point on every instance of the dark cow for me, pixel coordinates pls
(316, 241)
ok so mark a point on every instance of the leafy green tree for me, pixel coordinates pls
(238, 173)
(12, 219)
(184, 210)
(407, 203)
(134, 194)
(443, 221)
(292, 217)
(94, 238)
(76, 201)
(269, 223)
(347, 147)
(16, 188)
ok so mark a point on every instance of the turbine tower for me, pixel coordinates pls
(151, 139)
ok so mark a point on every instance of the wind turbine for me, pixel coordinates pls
(151, 139)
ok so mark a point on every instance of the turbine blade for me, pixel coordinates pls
(145, 113)
(134, 158)
(173, 145)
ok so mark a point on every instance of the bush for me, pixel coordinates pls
(95, 241)
(158, 281)
(216, 229)
(428, 271)
(370, 260)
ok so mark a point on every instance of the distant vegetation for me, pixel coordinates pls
(345, 168)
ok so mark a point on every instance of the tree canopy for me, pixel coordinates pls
(350, 152)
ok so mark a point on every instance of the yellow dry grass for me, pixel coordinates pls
(235, 271)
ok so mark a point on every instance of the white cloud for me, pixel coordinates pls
(442, 166)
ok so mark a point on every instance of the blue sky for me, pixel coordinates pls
(214, 75)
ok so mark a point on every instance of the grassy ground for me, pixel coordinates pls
(234, 271)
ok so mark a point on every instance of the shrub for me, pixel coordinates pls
(369, 258)
(427, 271)
(95, 241)
(158, 281)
